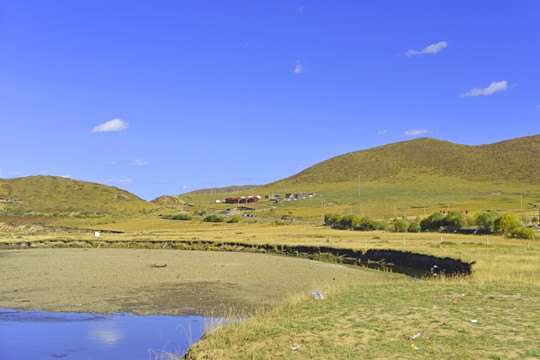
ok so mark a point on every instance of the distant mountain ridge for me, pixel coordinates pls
(511, 161)
(222, 190)
(514, 160)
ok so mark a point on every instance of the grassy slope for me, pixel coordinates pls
(412, 175)
(51, 194)
(375, 322)
(511, 160)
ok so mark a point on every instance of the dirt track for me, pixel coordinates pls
(192, 282)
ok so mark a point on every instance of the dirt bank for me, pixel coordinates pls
(162, 281)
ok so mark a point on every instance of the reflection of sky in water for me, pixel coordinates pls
(44, 335)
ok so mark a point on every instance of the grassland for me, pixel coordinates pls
(410, 179)
(374, 321)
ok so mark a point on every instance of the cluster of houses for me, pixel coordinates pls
(291, 196)
(242, 200)
(277, 198)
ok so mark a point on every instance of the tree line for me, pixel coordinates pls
(490, 222)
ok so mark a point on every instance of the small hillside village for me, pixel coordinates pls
(276, 198)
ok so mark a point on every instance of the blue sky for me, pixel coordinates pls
(164, 97)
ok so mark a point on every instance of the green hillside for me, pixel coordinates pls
(51, 194)
(513, 160)
(169, 201)
(413, 177)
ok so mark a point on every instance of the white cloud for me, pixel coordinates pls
(492, 88)
(139, 162)
(185, 187)
(382, 132)
(298, 69)
(67, 176)
(119, 181)
(430, 49)
(109, 126)
(416, 132)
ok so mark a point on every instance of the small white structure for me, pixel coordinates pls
(96, 234)
(218, 201)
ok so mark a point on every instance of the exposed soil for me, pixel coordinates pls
(169, 282)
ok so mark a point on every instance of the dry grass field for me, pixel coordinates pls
(371, 321)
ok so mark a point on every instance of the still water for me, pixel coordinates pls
(48, 335)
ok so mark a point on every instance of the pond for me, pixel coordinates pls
(49, 335)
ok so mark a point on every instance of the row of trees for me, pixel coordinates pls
(506, 224)
(355, 222)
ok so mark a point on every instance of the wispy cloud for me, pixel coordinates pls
(139, 163)
(112, 125)
(119, 181)
(67, 176)
(298, 69)
(185, 187)
(416, 132)
(430, 49)
(382, 132)
(492, 88)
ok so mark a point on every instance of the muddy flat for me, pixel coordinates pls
(168, 282)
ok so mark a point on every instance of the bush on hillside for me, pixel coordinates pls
(506, 223)
(178, 217)
(235, 219)
(414, 227)
(432, 222)
(350, 221)
(400, 225)
(368, 224)
(485, 220)
(214, 218)
(383, 225)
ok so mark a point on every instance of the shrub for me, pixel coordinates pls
(235, 219)
(503, 223)
(400, 225)
(350, 221)
(367, 224)
(214, 218)
(383, 225)
(414, 227)
(453, 219)
(178, 217)
(486, 220)
(332, 219)
(526, 233)
(432, 222)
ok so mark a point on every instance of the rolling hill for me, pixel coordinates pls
(514, 160)
(51, 193)
(425, 174)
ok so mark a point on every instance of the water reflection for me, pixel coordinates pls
(46, 335)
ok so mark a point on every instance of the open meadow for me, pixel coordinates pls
(493, 313)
